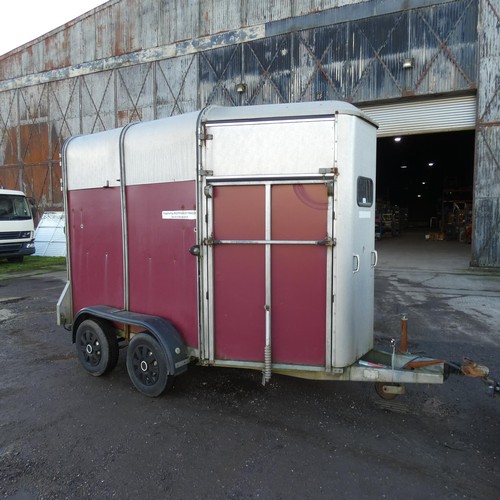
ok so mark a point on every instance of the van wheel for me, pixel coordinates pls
(97, 347)
(147, 366)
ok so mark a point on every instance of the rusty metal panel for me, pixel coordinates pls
(487, 182)
(376, 52)
(186, 19)
(137, 14)
(321, 62)
(76, 44)
(37, 183)
(259, 11)
(440, 42)
(105, 33)
(8, 129)
(177, 86)
(443, 45)
(135, 87)
(486, 237)
(148, 14)
(97, 102)
(166, 34)
(57, 50)
(489, 73)
(486, 240)
(88, 38)
(217, 16)
(64, 105)
(219, 72)
(33, 118)
(303, 7)
(121, 29)
(10, 178)
(178, 20)
(267, 69)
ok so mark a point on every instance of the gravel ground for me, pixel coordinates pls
(220, 434)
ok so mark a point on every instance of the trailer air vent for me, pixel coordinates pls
(365, 192)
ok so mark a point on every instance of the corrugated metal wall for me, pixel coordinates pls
(144, 59)
(486, 241)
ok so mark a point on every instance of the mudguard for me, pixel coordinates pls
(160, 328)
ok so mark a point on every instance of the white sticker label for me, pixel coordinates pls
(364, 214)
(179, 214)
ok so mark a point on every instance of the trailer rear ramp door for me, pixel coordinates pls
(269, 272)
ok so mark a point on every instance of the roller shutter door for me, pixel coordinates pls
(426, 116)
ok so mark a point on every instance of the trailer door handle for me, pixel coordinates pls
(374, 258)
(195, 250)
(355, 263)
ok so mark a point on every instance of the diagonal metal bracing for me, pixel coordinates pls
(377, 52)
(135, 102)
(444, 48)
(97, 108)
(31, 116)
(5, 123)
(64, 113)
(318, 66)
(220, 76)
(266, 72)
(176, 97)
(496, 93)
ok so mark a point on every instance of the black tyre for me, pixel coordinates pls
(147, 366)
(97, 347)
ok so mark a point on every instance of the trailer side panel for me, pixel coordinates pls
(163, 276)
(96, 247)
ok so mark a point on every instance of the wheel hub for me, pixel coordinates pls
(144, 366)
(89, 349)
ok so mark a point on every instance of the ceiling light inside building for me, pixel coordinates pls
(397, 139)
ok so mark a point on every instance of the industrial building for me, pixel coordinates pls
(426, 70)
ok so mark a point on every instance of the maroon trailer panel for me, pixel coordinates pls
(239, 284)
(96, 247)
(298, 305)
(239, 302)
(299, 212)
(162, 272)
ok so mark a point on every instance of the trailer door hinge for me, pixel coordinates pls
(208, 190)
(205, 137)
(206, 173)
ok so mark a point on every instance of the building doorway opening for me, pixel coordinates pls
(425, 183)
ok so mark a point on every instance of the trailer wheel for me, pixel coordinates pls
(97, 347)
(147, 366)
(388, 396)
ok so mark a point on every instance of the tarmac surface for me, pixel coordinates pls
(220, 434)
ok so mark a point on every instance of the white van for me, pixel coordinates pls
(16, 226)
